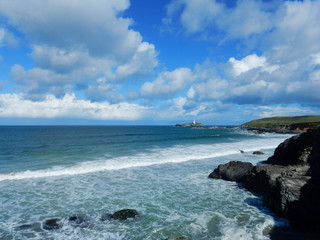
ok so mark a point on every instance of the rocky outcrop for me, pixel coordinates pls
(289, 182)
(52, 224)
(232, 171)
(123, 214)
(258, 153)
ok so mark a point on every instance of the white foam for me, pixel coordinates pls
(175, 154)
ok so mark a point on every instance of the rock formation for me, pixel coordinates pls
(289, 180)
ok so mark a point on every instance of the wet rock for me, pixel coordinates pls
(34, 227)
(124, 214)
(77, 219)
(179, 238)
(52, 224)
(232, 171)
(299, 150)
(258, 153)
(290, 183)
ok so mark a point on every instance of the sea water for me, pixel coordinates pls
(51, 172)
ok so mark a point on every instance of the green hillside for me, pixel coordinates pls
(284, 123)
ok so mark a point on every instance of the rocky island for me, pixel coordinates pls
(296, 124)
(192, 124)
(289, 181)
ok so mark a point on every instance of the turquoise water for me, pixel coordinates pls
(56, 172)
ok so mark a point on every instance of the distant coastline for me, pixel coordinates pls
(296, 124)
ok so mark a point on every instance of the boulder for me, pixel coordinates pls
(232, 171)
(77, 219)
(258, 153)
(124, 214)
(52, 224)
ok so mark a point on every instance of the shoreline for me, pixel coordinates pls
(289, 182)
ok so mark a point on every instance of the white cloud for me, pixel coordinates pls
(168, 83)
(296, 33)
(250, 62)
(247, 18)
(267, 111)
(14, 105)
(77, 42)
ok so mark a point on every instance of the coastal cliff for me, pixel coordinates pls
(283, 124)
(289, 181)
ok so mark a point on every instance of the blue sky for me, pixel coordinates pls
(157, 62)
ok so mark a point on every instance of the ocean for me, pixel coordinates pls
(49, 172)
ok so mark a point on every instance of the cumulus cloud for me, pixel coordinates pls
(14, 105)
(247, 18)
(287, 69)
(76, 43)
(168, 83)
(250, 62)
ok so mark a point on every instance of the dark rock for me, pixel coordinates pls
(300, 149)
(258, 153)
(241, 151)
(232, 171)
(262, 178)
(124, 214)
(78, 219)
(291, 185)
(179, 238)
(52, 224)
(34, 227)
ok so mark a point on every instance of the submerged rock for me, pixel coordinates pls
(34, 226)
(52, 224)
(78, 219)
(232, 171)
(179, 238)
(105, 217)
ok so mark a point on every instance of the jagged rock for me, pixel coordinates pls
(52, 224)
(299, 150)
(291, 185)
(124, 214)
(258, 153)
(232, 171)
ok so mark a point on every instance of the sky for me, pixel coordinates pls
(160, 62)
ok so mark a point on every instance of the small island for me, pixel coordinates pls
(192, 124)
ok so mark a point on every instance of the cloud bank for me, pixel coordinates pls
(271, 60)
